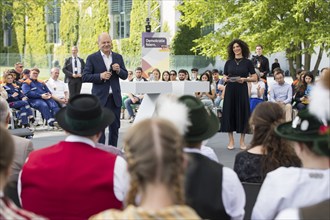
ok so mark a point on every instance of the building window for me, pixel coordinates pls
(121, 16)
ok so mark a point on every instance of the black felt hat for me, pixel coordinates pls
(84, 116)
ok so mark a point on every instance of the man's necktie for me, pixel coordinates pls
(75, 66)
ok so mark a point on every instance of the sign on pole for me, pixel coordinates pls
(155, 51)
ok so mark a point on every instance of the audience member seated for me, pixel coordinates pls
(214, 191)
(124, 95)
(219, 87)
(299, 88)
(40, 97)
(155, 163)
(17, 71)
(308, 82)
(8, 210)
(256, 92)
(173, 75)
(134, 99)
(298, 187)
(182, 75)
(26, 75)
(266, 152)
(207, 97)
(23, 147)
(194, 74)
(73, 179)
(155, 75)
(166, 76)
(281, 93)
(59, 90)
(298, 81)
(17, 100)
(187, 77)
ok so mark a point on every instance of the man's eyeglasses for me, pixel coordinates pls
(21, 66)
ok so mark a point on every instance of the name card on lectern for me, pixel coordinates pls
(190, 87)
(146, 87)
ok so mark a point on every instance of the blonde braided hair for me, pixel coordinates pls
(154, 150)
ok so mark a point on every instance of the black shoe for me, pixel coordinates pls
(132, 120)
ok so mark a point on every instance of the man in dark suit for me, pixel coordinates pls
(103, 69)
(73, 69)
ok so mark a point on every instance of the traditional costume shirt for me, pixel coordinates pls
(72, 179)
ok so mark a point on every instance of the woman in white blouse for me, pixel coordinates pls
(256, 92)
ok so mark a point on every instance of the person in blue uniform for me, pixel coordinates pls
(40, 97)
(17, 100)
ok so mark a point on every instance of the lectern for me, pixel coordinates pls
(152, 90)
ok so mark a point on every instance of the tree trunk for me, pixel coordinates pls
(298, 57)
(291, 65)
(318, 61)
(307, 58)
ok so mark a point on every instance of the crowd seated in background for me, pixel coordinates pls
(266, 152)
(281, 93)
(17, 100)
(40, 97)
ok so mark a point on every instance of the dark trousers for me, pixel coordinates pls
(114, 127)
(74, 86)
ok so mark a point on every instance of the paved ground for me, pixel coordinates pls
(43, 138)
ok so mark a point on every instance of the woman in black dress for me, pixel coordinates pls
(236, 107)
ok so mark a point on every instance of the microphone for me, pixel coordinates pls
(110, 70)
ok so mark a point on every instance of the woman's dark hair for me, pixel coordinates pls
(208, 79)
(277, 151)
(301, 85)
(168, 75)
(311, 75)
(244, 46)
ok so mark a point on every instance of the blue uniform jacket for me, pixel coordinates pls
(11, 89)
(33, 89)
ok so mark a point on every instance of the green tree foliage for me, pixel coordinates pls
(139, 14)
(19, 25)
(294, 26)
(69, 29)
(35, 49)
(94, 20)
(27, 20)
(183, 40)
